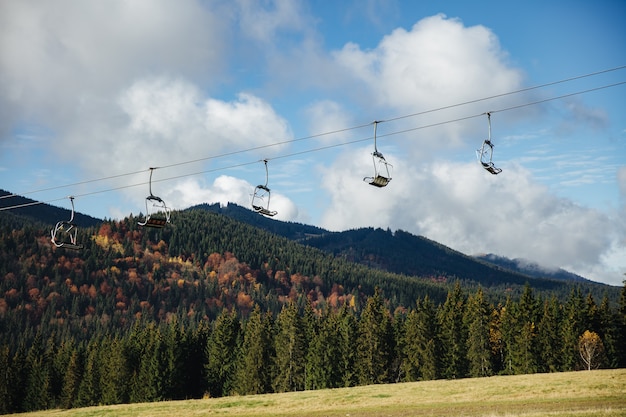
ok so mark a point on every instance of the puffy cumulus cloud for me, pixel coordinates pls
(247, 121)
(225, 189)
(56, 55)
(438, 63)
(162, 121)
(462, 206)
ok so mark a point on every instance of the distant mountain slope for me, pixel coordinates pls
(43, 213)
(532, 269)
(404, 253)
(290, 230)
(398, 252)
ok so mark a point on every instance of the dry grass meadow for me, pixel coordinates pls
(575, 394)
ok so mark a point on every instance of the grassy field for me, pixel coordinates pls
(585, 393)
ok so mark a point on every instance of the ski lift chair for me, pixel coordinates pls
(65, 232)
(261, 197)
(485, 153)
(382, 169)
(157, 212)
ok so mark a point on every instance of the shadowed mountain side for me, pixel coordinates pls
(398, 252)
(44, 213)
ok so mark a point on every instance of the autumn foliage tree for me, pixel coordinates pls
(591, 349)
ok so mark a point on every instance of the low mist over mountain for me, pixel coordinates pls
(530, 268)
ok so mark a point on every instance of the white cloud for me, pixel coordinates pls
(161, 122)
(462, 206)
(55, 56)
(438, 62)
(226, 189)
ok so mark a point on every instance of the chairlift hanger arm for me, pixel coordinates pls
(489, 122)
(266, 173)
(150, 182)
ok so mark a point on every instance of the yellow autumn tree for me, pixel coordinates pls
(591, 349)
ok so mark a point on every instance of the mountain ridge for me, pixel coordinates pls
(419, 255)
(397, 252)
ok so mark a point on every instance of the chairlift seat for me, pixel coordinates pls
(264, 211)
(156, 222)
(156, 218)
(159, 215)
(69, 232)
(260, 192)
(378, 181)
(382, 171)
(489, 166)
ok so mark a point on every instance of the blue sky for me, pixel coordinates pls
(93, 94)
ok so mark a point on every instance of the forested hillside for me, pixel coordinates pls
(213, 306)
(401, 252)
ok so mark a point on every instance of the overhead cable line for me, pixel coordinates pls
(523, 90)
(304, 138)
(327, 133)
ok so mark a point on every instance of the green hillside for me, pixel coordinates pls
(403, 253)
(213, 306)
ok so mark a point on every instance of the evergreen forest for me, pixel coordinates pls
(212, 306)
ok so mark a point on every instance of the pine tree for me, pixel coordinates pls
(412, 362)
(398, 341)
(89, 388)
(429, 345)
(609, 332)
(222, 354)
(496, 339)
(323, 365)
(150, 371)
(573, 328)
(453, 334)
(36, 396)
(347, 332)
(374, 346)
(508, 332)
(71, 381)
(5, 380)
(477, 319)
(524, 351)
(113, 378)
(290, 347)
(254, 369)
(549, 338)
(18, 375)
(171, 361)
(194, 367)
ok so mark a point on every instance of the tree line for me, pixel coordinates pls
(301, 348)
(157, 315)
